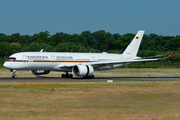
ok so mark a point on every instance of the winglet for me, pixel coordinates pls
(168, 56)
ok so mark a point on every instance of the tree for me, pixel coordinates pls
(160, 42)
(71, 47)
(26, 39)
(151, 45)
(3, 38)
(61, 47)
(15, 38)
(115, 36)
(34, 47)
(3, 49)
(75, 38)
(25, 48)
(109, 37)
(87, 39)
(14, 47)
(118, 44)
(122, 42)
(101, 39)
(58, 38)
(43, 36)
(47, 47)
(110, 46)
(82, 48)
(40, 41)
(173, 44)
(91, 50)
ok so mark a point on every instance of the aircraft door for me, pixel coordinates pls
(52, 59)
(25, 59)
(93, 59)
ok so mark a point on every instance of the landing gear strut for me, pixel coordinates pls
(67, 75)
(14, 74)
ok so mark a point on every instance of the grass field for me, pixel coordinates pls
(90, 100)
(156, 100)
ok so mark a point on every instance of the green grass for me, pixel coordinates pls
(90, 100)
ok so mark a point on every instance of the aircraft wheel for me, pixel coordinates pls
(14, 76)
(63, 76)
(71, 76)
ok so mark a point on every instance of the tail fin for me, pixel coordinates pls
(133, 47)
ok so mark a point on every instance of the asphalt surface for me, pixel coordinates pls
(80, 79)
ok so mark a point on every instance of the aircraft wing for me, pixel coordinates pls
(129, 61)
(110, 63)
(104, 63)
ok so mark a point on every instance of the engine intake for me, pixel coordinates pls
(39, 72)
(82, 70)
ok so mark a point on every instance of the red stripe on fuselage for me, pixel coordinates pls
(48, 61)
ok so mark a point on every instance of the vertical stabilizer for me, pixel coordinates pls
(133, 47)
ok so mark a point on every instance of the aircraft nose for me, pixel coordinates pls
(6, 65)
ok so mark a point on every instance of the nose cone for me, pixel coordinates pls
(6, 65)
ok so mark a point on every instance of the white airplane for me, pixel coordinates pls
(80, 64)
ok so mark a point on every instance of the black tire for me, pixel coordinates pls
(14, 76)
(71, 76)
(62, 75)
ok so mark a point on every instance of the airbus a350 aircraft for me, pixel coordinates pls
(80, 64)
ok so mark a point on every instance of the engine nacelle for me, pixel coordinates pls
(82, 70)
(39, 72)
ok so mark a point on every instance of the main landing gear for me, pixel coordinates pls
(67, 75)
(14, 74)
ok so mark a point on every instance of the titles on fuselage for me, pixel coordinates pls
(64, 58)
(50, 58)
(37, 57)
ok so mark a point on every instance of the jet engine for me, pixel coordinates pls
(39, 72)
(82, 70)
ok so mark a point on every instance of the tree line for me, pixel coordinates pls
(86, 41)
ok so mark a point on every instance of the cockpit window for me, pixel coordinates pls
(11, 58)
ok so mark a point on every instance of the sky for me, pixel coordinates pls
(28, 17)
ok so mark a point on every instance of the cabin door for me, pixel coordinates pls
(93, 59)
(25, 59)
(52, 59)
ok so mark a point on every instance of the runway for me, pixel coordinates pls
(80, 79)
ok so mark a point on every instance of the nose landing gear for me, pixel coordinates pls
(14, 74)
